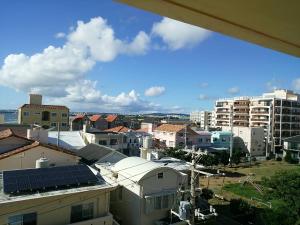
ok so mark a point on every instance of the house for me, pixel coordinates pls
(147, 190)
(98, 122)
(176, 135)
(18, 152)
(132, 139)
(113, 121)
(221, 139)
(55, 196)
(204, 139)
(292, 145)
(46, 116)
(107, 138)
(78, 121)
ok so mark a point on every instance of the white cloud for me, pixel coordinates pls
(273, 84)
(296, 84)
(233, 90)
(60, 35)
(177, 35)
(205, 97)
(155, 91)
(204, 84)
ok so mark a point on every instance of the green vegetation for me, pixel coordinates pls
(246, 190)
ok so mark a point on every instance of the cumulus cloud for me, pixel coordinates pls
(233, 90)
(205, 97)
(155, 91)
(177, 35)
(60, 35)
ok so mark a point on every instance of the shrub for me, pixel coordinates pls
(278, 159)
(207, 193)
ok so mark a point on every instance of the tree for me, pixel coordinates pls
(242, 210)
(207, 160)
(224, 158)
(236, 156)
(207, 193)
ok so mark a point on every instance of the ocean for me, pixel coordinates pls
(10, 116)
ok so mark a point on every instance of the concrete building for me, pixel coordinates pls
(278, 113)
(80, 204)
(248, 139)
(292, 145)
(202, 118)
(147, 190)
(176, 135)
(45, 116)
(17, 152)
(70, 140)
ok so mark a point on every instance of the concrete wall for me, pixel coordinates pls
(27, 159)
(56, 210)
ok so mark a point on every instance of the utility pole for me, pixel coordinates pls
(185, 142)
(193, 193)
(58, 134)
(231, 135)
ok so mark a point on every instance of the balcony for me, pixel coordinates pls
(259, 119)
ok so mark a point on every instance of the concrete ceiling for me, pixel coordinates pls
(273, 24)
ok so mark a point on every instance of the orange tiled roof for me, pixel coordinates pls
(78, 117)
(174, 128)
(111, 118)
(94, 118)
(118, 129)
(36, 106)
(142, 130)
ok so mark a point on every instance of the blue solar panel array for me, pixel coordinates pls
(47, 179)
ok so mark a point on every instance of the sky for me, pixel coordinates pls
(104, 56)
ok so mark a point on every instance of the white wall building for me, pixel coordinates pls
(203, 118)
(147, 191)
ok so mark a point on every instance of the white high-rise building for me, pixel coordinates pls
(277, 112)
(202, 118)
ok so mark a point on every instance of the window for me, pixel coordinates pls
(223, 139)
(63, 124)
(102, 142)
(25, 113)
(164, 201)
(113, 141)
(45, 116)
(200, 140)
(53, 124)
(53, 114)
(64, 115)
(23, 219)
(37, 113)
(82, 212)
(207, 140)
(160, 175)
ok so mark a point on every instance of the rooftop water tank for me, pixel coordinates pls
(42, 163)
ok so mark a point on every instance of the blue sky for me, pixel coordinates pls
(186, 73)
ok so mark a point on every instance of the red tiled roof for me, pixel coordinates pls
(36, 106)
(142, 130)
(111, 118)
(78, 117)
(94, 118)
(118, 129)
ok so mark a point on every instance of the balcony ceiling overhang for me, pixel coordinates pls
(273, 24)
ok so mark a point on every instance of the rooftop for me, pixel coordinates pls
(55, 191)
(111, 118)
(119, 129)
(70, 140)
(94, 118)
(36, 106)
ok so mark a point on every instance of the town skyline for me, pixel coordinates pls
(135, 69)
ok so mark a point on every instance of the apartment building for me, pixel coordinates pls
(278, 112)
(45, 116)
(202, 118)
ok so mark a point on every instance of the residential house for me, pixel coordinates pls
(113, 121)
(292, 145)
(98, 122)
(204, 139)
(17, 152)
(78, 121)
(55, 196)
(176, 135)
(147, 190)
(46, 116)
(221, 139)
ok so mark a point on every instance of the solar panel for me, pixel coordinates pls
(47, 179)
